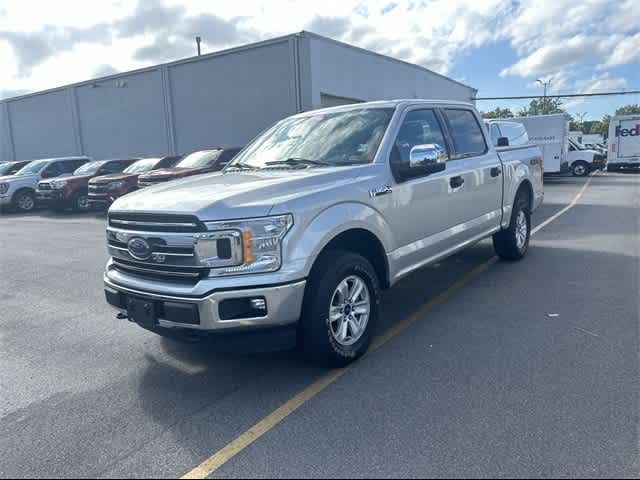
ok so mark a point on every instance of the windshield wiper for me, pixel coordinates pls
(297, 161)
(242, 166)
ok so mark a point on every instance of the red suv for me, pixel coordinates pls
(104, 190)
(72, 191)
(196, 163)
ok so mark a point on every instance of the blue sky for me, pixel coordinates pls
(498, 46)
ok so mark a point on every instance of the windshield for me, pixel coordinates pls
(199, 159)
(142, 166)
(33, 167)
(9, 168)
(88, 168)
(334, 139)
(578, 146)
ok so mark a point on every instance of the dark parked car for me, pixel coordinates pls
(107, 188)
(196, 163)
(72, 191)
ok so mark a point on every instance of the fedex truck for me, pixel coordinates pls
(624, 143)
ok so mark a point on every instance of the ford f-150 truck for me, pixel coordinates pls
(105, 189)
(196, 163)
(296, 238)
(19, 190)
(73, 191)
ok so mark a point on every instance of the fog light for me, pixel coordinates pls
(258, 304)
(243, 308)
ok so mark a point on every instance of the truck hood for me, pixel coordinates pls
(113, 177)
(27, 178)
(175, 172)
(223, 196)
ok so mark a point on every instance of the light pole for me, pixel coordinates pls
(582, 115)
(544, 99)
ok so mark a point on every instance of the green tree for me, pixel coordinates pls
(498, 113)
(629, 110)
(546, 106)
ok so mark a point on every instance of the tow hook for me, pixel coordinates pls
(122, 316)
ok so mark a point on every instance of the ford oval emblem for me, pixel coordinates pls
(139, 248)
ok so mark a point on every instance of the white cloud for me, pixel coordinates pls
(626, 50)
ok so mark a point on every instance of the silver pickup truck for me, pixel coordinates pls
(296, 238)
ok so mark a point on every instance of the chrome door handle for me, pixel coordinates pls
(456, 182)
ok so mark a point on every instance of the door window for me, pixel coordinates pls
(420, 127)
(466, 133)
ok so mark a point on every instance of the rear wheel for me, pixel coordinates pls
(24, 201)
(340, 309)
(512, 244)
(580, 169)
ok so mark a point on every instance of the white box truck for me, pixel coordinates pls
(624, 143)
(551, 134)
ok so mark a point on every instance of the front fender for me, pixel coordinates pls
(307, 241)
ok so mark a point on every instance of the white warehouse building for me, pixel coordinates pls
(220, 99)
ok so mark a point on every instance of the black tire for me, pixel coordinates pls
(506, 243)
(315, 335)
(24, 201)
(580, 169)
(80, 202)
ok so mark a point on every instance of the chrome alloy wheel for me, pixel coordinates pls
(522, 230)
(83, 202)
(350, 310)
(25, 202)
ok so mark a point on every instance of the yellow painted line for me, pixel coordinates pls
(575, 200)
(221, 457)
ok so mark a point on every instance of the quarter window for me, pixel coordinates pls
(466, 133)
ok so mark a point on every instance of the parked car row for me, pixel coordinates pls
(81, 183)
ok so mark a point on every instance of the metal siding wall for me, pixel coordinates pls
(42, 126)
(370, 77)
(6, 152)
(123, 116)
(226, 100)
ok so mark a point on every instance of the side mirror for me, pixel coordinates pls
(427, 159)
(503, 142)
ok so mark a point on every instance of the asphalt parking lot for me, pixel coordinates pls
(525, 369)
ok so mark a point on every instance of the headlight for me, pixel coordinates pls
(115, 185)
(255, 245)
(4, 188)
(58, 184)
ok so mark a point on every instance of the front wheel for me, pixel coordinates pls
(24, 201)
(513, 243)
(580, 169)
(80, 202)
(340, 309)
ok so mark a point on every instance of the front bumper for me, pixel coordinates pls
(50, 196)
(283, 306)
(5, 200)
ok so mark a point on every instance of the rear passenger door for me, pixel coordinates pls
(479, 174)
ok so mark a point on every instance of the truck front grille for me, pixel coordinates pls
(98, 188)
(170, 238)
